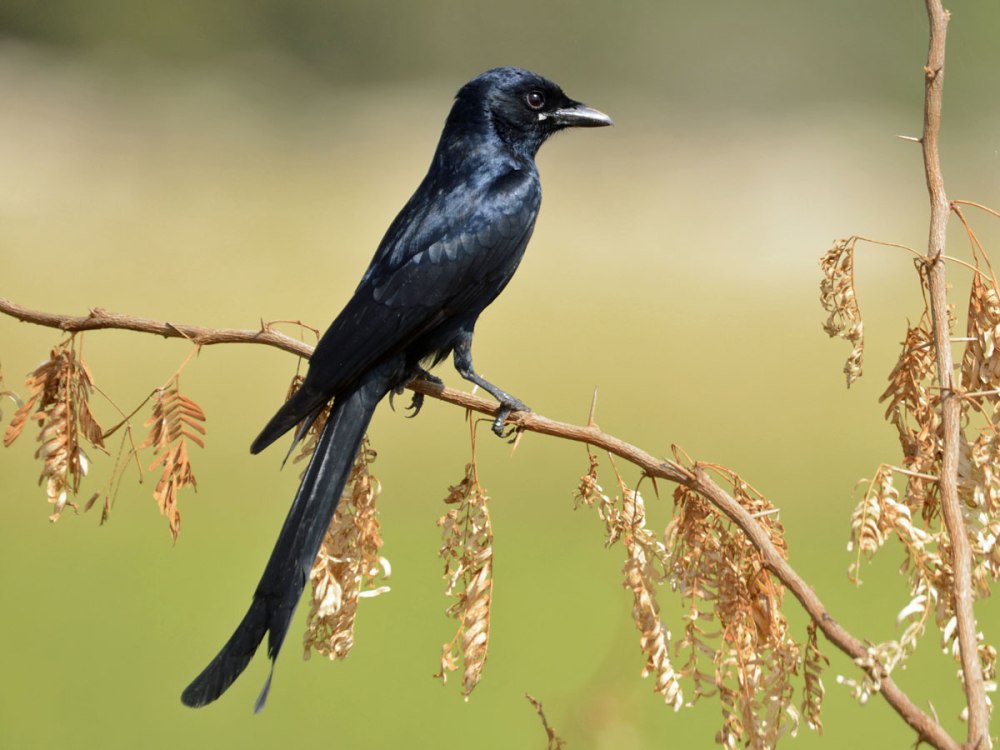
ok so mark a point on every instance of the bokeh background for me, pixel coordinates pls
(222, 163)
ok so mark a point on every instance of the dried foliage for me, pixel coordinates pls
(914, 409)
(59, 392)
(736, 635)
(981, 362)
(624, 519)
(813, 664)
(979, 462)
(349, 566)
(913, 517)
(59, 400)
(467, 551)
(980, 490)
(838, 298)
(176, 419)
(554, 741)
(736, 643)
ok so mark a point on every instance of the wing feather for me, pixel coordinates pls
(440, 260)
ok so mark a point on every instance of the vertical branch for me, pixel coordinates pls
(950, 403)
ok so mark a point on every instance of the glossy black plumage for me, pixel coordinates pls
(447, 255)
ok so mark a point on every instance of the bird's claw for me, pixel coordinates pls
(416, 404)
(505, 410)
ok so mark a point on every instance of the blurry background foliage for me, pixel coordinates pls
(218, 163)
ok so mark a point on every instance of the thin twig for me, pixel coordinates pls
(975, 692)
(916, 253)
(554, 741)
(910, 473)
(198, 335)
(977, 247)
(980, 206)
(883, 243)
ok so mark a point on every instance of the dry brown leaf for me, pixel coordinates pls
(913, 399)
(176, 419)
(981, 361)
(813, 692)
(914, 409)
(979, 488)
(59, 389)
(736, 636)
(869, 528)
(467, 551)
(624, 519)
(591, 493)
(643, 573)
(349, 566)
(838, 297)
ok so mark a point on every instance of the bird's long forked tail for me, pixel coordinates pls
(292, 558)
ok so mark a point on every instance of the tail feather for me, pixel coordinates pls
(230, 662)
(288, 568)
(305, 404)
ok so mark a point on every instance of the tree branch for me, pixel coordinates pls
(694, 478)
(199, 335)
(975, 691)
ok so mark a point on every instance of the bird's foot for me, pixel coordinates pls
(507, 407)
(417, 401)
(422, 374)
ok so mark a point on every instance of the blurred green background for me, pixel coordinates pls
(222, 163)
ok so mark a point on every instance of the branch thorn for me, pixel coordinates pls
(593, 409)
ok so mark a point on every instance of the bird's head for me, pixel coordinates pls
(522, 107)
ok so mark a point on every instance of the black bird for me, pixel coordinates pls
(446, 256)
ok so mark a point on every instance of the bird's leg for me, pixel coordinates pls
(417, 402)
(508, 404)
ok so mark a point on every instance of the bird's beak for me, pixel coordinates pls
(578, 115)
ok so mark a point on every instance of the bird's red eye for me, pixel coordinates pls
(535, 99)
